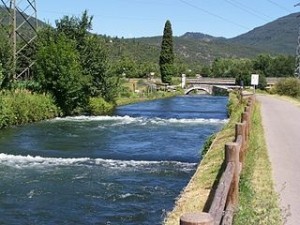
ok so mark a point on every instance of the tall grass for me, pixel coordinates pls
(20, 107)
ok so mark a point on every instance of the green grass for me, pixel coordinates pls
(258, 199)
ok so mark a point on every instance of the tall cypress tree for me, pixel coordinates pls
(166, 59)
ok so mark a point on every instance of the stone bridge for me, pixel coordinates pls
(207, 84)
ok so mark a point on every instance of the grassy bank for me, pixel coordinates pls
(258, 199)
(196, 193)
(134, 98)
(20, 107)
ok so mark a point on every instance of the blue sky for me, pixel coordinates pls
(142, 18)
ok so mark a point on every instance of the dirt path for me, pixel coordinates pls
(281, 121)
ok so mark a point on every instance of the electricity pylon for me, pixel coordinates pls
(20, 16)
(297, 70)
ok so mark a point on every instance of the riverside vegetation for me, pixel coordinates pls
(256, 183)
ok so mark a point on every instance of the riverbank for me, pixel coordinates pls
(195, 195)
(142, 98)
(21, 106)
(256, 184)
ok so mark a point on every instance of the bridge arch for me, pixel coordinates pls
(208, 91)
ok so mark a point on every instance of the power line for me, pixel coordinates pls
(248, 10)
(279, 6)
(214, 15)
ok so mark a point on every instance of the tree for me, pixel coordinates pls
(93, 56)
(59, 72)
(95, 68)
(1, 75)
(75, 28)
(6, 59)
(166, 59)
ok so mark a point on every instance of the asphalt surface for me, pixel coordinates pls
(281, 121)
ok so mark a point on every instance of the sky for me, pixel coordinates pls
(146, 18)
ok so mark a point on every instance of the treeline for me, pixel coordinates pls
(265, 65)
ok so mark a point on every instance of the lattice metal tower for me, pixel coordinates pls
(20, 17)
(297, 70)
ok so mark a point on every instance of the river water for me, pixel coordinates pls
(127, 168)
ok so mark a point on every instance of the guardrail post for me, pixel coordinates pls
(198, 218)
(232, 155)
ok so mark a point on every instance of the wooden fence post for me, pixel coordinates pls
(240, 130)
(232, 155)
(198, 218)
(246, 118)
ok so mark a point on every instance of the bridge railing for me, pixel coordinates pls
(208, 80)
(225, 199)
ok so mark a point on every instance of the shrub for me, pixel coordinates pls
(98, 106)
(233, 102)
(289, 87)
(22, 107)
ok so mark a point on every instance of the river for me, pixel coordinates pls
(127, 168)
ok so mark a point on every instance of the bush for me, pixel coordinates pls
(233, 102)
(22, 107)
(98, 106)
(289, 87)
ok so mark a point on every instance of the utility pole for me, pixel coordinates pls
(20, 16)
(297, 70)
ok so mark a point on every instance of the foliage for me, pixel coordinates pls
(98, 106)
(6, 59)
(59, 72)
(93, 56)
(75, 28)
(166, 59)
(289, 87)
(95, 67)
(72, 64)
(233, 102)
(1, 75)
(207, 144)
(276, 66)
(21, 107)
(231, 67)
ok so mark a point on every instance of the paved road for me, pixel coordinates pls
(281, 121)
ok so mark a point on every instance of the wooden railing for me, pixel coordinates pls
(225, 199)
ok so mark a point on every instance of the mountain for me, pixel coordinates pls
(4, 19)
(279, 36)
(193, 48)
(201, 36)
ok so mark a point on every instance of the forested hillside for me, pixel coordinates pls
(279, 36)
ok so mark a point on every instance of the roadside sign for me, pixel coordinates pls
(254, 79)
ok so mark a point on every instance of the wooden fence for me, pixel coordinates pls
(225, 200)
